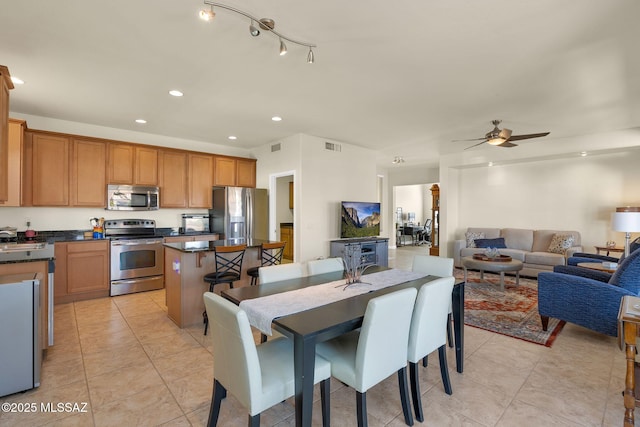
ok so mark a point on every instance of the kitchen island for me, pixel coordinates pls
(185, 265)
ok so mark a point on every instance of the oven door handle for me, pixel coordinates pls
(135, 242)
(133, 281)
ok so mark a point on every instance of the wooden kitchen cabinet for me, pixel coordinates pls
(14, 167)
(145, 170)
(173, 179)
(224, 171)
(246, 173)
(200, 180)
(49, 169)
(237, 172)
(286, 235)
(5, 86)
(88, 173)
(82, 270)
(132, 165)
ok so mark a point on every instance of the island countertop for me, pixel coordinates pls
(209, 245)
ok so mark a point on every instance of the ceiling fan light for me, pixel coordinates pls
(283, 48)
(495, 141)
(207, 15)
(310, 57)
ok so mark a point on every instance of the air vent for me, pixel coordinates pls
(276, 147)
(331, 146)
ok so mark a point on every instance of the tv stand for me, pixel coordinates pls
(372, 250)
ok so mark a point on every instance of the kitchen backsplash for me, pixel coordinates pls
(78, 218)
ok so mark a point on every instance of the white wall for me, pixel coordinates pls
(416, 199)
(326, 179)
(573, 193)
(51, 219)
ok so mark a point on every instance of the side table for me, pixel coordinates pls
(628, 328)
(608, 249)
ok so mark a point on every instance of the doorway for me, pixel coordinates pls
(281, 211)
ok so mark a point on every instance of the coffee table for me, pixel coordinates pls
(493, 266)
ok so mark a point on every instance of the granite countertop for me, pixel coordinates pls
(78, 235)
(209, 245)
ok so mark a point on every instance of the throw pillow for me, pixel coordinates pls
(471, 237)
(560, 243)
(491, 243)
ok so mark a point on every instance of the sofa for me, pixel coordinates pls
(539, 250)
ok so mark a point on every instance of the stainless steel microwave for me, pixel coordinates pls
(132, 198)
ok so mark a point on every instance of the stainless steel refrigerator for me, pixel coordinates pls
(240, 214)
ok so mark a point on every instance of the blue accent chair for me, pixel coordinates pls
(586, 257)
(579, 298)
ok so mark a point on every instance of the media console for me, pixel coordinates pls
(372, 250)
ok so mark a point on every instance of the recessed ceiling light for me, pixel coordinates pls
(232, 137)
(276, 118)
(490, 164)
(175, 93)
(17, 81)
(141, 121)
(583, 154)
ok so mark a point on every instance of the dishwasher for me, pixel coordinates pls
(20, 333)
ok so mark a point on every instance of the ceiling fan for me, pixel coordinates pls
(502, 137)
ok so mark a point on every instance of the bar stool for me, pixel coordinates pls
(271, 255)
(228, 269)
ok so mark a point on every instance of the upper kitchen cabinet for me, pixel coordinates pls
(88, 173)
(46, 169)
(132, 165)
(14, 167)
(173, 179)
(229, 171)
(200, 180)
(246, 173)
(5, 85)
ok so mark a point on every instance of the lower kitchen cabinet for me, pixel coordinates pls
(82, 270)
(286, 235)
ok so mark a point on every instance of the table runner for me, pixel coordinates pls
(261, 311)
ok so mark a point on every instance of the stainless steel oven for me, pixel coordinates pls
(137, 256)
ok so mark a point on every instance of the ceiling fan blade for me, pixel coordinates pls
(475, 145)
(529, 136)
(474, 139)
(507, 144)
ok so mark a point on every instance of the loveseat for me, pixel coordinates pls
(539, 250)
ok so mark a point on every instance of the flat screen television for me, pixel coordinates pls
(359, 219)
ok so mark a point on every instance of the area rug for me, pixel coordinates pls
(512, 312)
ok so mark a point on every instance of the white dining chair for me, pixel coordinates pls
(362, 359)
(327, 265)
(441, 267)
(274, 273)
(428, 333)
(258, 376)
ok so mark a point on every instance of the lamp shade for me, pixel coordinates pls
(626, 220)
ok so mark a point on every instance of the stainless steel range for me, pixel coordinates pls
(137, 256)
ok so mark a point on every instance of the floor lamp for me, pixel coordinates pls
(627, 220)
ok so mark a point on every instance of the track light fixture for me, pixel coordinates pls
(265, 24)
(253, 30)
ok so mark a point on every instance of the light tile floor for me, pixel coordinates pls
(132, 366)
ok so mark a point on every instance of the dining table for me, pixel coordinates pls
(321, 323)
